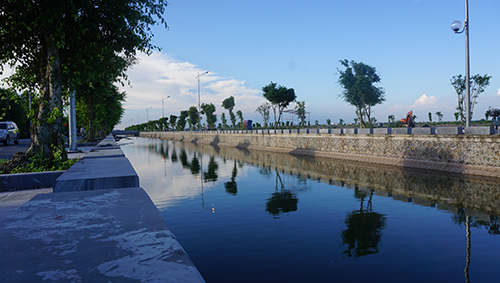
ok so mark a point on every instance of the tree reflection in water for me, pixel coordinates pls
(195, 165)
(364, 228)
(231, 186)
(282, 200)
(184, 159)
(211, 174)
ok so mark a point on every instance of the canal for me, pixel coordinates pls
(250, 216)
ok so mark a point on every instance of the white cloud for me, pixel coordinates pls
(498, 91)
(425, 102)
(160, 75)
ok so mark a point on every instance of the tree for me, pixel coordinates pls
(358, 81)
(300, 110)
(263, 109)
(208, 110)
(14, 107)
(240, 116)
(194, 117)
(477, 86)
(279, 97)
(440, 116)
(430, 117)
(391, 119)
(224, 121)
(363, 228)
(49, 43)
(328, 122)
(228, 104)
(173, 119)
(181, 123)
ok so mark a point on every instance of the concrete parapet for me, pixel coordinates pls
(475, 155)
(449, 131)
(382, 131)
(104, 153)
(98, 174)
(337, 131)
(401, 131)
(29, 180)
(365, 131)
(423, 131)
(479, 130)
(93, 236)
(350, 131)
(324, 131)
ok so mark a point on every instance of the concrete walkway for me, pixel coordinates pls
(96, 225)
(11, 201)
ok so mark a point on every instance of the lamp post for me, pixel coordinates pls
(137, 119)
(199, 105)
(163, 109)
(147, 109)
(455, 26)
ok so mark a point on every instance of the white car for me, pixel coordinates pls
(9, 132)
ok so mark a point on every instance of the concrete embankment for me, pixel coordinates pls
(464, 154)
(95, 227)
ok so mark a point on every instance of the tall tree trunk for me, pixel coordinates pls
(48, 129)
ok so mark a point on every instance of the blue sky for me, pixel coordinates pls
(298, 44)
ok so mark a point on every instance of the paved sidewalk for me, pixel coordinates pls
(11, 201)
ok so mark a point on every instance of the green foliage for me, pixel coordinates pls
(358, 81)
(209, 110)
(391, 119)
(240, 116)
(263, 109)
(14, 107)
(38, 163)
(477, 86)
(228, 104)
(440, 116)
(181, 123)
(279, 97)
(300, 110)
(60, 45)
(224, 121)
(173, 120)
(194, 116)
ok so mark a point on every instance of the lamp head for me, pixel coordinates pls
(455, 26)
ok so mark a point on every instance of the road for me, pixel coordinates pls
(7, 151)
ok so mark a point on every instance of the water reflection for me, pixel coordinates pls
(211, 174)
(364, 200)
(231, 186)
(282, 200)
(364, 228)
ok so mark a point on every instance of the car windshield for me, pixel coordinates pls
(3, 126)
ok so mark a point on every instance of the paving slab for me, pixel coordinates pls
(29, 180)
(97, 174)
(114, 235)
(104, 153)
(12, 200)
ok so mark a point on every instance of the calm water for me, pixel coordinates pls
(248, 216)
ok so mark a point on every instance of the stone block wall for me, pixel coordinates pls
(468, 154)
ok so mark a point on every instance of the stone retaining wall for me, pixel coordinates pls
(468, 154)
(446, 190)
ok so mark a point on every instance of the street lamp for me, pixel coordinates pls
(455, 26)
(147, 109)
(137, 119)
(162, 108)
(199, 105)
